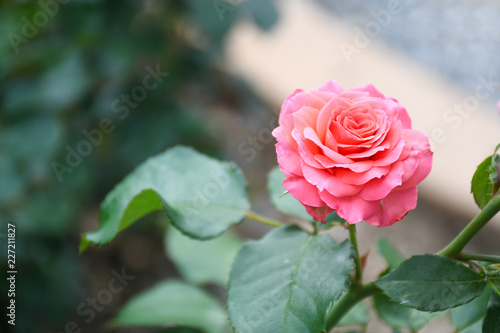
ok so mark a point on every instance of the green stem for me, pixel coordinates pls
(479, 257)
(346, 302)
(315, 227)
(358, 277)
(477, 223)
(263, 220)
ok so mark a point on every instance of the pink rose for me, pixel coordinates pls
(353, 151)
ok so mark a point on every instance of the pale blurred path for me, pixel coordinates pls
(459, 39)
(303, 51)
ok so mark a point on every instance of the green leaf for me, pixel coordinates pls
(475, 328)
(13, 183)
(481, 186)
(485, 182)
(282, 200)
(491, 322)
(358, 315)
(286, 281)
(472, 312)
(213, 18)
(390, 253)
(431, 283)
(331, 220)
(264, 13)
(400, 316)
(202, 196)
(180, 330)
(173, 303)
(202, 262)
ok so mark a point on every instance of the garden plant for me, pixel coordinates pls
(345, 156)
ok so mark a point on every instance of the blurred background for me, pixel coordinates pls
(90, 89)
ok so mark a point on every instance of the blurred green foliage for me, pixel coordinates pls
(65, 66)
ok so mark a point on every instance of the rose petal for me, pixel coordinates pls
(288, 159)
(353, 94)
(387, 157)
(379, 188)
(394, 207)
(361, 178)
(307, 150)
(324, 180)
(311, 135)
(331, 86)
(403, 115)
(419, 141)
(319, 213)
(352, 209)
(304, 118)
(379, 213)
(303, 191)
(421, 172)
(422, 153)
(327, 113)
(359, 166)
(292, 104)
